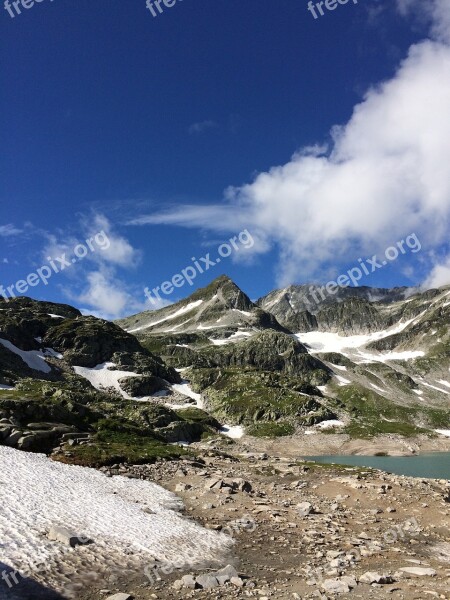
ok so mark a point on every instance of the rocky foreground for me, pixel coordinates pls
(301, 530)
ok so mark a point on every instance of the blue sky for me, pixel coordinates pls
(172, 134)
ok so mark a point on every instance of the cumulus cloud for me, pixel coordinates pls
(385, 174)
(103, 293)
(439, 276)
(436, 11)
(119, 251)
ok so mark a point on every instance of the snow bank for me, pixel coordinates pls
(102, 377)
(342, 380)
(329, 424)
(237, 336)
(322, 341)
(445, 432)
(185, 389)
(130, 521)
(32, 358)
(232, 431)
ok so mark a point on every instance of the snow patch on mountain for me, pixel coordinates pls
(103, 376)
(324, 341)
(174, 315)
(34, 359)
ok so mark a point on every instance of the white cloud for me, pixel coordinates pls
(439, 276)
(384, 176)
(436, 11)
(9, 230)
(104, 295)
(120, 252)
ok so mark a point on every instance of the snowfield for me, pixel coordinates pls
(32, 358)
(102, 377)
(234, 432)
(131, 522)
(352, 345)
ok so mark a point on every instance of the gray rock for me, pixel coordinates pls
(207, 582)
(120, 597)
(13, 438)
(227, 572)
(188, 582)
(237, 581)
(241, 485)
(214, 483)
(417, 572)
(304, 509)
(335, 586)
(349, 580)
(374, 577)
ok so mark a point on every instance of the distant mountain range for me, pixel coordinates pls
(363, 361)
(393, 345)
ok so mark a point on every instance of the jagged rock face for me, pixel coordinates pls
(219, 310)
(228, 293)
(353, 316)
(268, 351)
(88, 341)
(40, 344)
(303, 308)
(142, 386)
(22, 320)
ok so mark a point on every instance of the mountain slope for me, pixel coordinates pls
(65, 377)
(220, 310)
(349, 310)
(252, 375)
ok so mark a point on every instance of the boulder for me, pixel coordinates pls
(335, 586)
(374, 577)
(416, 572)
(226, 573)
(304, 509)
(207, 582)
(188, 581)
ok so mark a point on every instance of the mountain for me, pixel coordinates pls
(219, 311)
(393, 346)
(93, 392)
(65, 377)
(350, 309)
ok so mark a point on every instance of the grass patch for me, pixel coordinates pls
(374, 415)
(111, 447)
(249, 396)
(270, 430)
